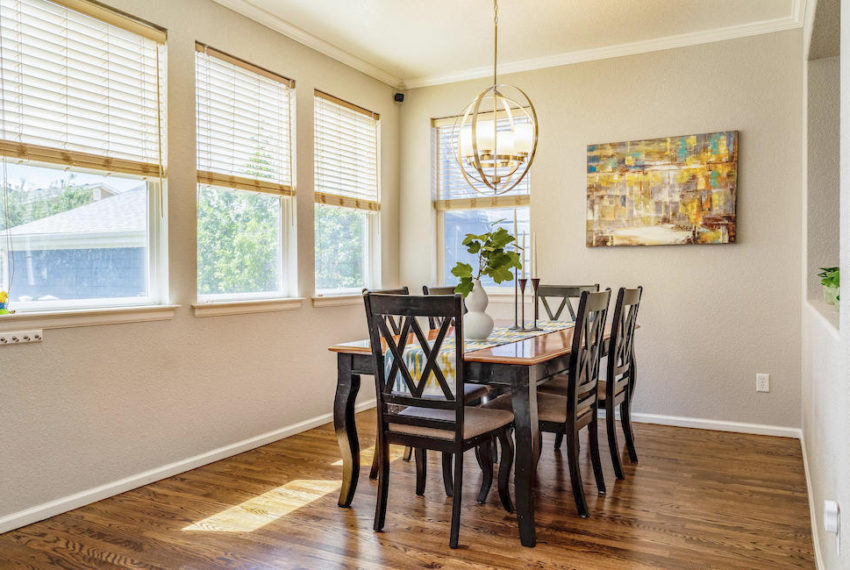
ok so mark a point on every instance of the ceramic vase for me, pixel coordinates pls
(477, 324)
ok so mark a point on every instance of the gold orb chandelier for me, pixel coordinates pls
(495, 139)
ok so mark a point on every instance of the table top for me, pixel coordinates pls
(534, 350)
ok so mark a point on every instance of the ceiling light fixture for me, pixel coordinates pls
(495, 139)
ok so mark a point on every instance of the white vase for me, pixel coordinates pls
(477, 325)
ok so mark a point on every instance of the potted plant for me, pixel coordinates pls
(493, 262)
(830, 280)
(4, 303)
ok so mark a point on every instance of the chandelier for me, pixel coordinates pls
(495, 139)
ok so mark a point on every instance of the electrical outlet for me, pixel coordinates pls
(762, 382)
(20, 337)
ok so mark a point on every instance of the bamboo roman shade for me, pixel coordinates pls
(244, 124)
(80, 86)
(452, 189)
(346, 153)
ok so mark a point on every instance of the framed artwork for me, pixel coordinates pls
(666, 191)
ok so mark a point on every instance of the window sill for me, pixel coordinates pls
(89, 317)
(827, 314)
(338, 300)
(222, 309)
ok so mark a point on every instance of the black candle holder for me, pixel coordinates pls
(522, 283)
(535, 285)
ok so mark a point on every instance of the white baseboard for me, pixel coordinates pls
(64, 504)
(812, 509)
(716, 425)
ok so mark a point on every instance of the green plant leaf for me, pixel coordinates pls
(464, 287)
(462, 270)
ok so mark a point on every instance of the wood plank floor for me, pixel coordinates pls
(698, 499)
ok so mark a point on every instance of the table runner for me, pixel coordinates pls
(414, 356)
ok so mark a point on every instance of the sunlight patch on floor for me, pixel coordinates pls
(266, 508)
(396, 452)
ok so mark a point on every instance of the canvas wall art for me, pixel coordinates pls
(666, 191)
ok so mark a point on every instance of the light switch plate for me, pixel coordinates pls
(762, 382)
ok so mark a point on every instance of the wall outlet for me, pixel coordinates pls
(762, 382)
(20, 337)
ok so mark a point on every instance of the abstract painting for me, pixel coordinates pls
(667, 191)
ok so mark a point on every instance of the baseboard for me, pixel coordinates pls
(64, 504)
(812, 509)
(716, 425)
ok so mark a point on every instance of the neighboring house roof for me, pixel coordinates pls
(98, 190)
(115, 221)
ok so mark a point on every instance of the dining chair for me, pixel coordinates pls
(577, 406)
(477, 394)
(394, 325)
(565, 294)
(618, 386)
(440, 422)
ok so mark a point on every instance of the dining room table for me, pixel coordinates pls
(517, 366)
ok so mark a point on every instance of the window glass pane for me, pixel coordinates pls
(342, 249)
(72, 237)
(451, 184)
(458, 223)
(239, 242)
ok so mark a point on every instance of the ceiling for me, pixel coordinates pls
(411, 43)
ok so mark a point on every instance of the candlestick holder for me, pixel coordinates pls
(522, 283)
(535, 285)
(516, 303)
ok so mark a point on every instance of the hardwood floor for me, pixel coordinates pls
(698, 499)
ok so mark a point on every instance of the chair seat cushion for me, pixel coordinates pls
(472, 392)
(557, 385)
(551, 408)
(476, 421)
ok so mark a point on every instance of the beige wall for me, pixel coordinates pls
(93, 405)
(712, 316)
(822, 170)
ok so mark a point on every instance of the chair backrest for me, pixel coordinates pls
(563, 293)
(392, 323)
(621, 348)
(588, 341)
(405, 310)
(448, 290)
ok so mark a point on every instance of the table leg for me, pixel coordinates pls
(347, 386)
(524, 395)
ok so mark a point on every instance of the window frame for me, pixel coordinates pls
(286, 194)
(372, 254)
(481, 202)
(154, 305)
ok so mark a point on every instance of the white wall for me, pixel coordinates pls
(712, 316)
(94, 405)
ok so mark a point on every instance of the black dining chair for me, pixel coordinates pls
(441, 423)
(618, 387)
(577, 407)
(563, 295)
(447, 290)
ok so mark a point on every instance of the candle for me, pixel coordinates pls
(533, 255)
(516, 235)
(535, 271)
(523, 255)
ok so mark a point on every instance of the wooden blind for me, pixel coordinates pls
(79, 90)
(244, 124)
(452, 189)
(346, 153)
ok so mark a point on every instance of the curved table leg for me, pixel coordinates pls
(524, 396)
(348, 384)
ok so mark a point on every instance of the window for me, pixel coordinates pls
(462, 210)
(347, 196)
(81, 148)
(244, 141)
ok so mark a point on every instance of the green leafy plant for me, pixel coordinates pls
(829, 277)
(493, 260)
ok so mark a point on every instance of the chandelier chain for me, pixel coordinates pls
(495, 39)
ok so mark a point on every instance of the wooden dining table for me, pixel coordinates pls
(518, 366)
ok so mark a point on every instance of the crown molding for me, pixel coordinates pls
(249, 10)
(795, 20)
